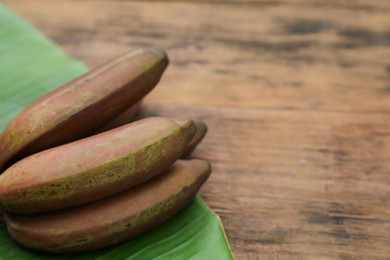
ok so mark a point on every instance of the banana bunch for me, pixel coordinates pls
(77, 176)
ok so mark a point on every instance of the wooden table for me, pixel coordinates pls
(296, 94)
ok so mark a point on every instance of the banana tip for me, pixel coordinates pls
(158, 53)
(188, 127)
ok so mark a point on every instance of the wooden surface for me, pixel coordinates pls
(296, 94)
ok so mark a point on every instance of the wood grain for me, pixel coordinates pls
(304, 185)
(292, 57)
(296, 94)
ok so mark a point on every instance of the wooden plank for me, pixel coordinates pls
(296, 96)
(297, 185)
(278, 56)
(349, 4)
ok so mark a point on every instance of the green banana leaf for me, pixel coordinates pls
(31, 65)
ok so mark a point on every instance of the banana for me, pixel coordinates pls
(201, 130)
(114, 219)
(95, 167)
(83, 105)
